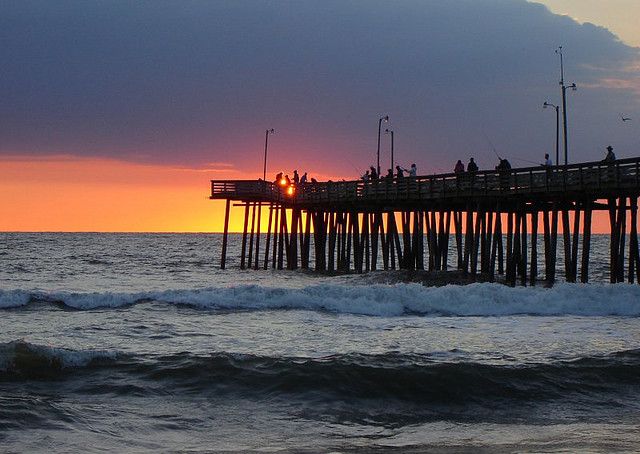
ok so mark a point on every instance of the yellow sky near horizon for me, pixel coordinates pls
(621, 17)
(67, 194)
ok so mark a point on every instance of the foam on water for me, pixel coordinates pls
(375, 300)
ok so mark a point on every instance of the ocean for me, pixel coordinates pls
(139, 343)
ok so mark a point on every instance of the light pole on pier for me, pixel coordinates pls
(564, 87)
(266, 147)
(557, 109)
(380, 120)
(390, 132)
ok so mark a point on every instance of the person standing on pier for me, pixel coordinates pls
(611, 156)
(548, 165)
(303, 180)
(504, 170)
(296, 177)
(374, 174)
(459, 168)
(472, 166)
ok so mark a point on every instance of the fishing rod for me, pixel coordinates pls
(493, 148)
(530, 162)
(357, 169)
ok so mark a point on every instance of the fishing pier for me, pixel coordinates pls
(492, 218)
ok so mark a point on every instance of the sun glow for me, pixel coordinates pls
(62, 193)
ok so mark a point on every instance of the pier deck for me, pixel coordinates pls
(352, 221)
(592, 179)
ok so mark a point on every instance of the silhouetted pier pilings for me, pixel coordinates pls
(492, 217)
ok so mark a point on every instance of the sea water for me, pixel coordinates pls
(140, 343)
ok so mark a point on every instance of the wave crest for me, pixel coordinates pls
(410, 378)
(23, 359)
(374, 300)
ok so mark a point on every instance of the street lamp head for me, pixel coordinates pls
(545, 105)
(271, 131)
(573, 87)
(388, 131)
(385, 118)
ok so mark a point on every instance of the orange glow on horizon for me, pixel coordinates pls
(70, 194)
(63, 193)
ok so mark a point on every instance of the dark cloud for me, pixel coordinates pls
(191, 82)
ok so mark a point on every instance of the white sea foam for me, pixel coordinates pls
(375, 300)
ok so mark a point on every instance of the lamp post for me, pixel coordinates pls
(390, 132)
(266, 147)
(564, 87)
(380, 120)
(557, 109)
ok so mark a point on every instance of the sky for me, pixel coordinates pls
(115, 115)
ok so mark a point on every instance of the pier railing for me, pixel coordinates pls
(590, 178)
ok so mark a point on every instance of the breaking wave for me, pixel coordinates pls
(404, 377)
(39, 361)
(374, 300)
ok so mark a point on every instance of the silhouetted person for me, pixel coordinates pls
(374, 174)
(472, 166)
(303, 180)
(287, 180)
(548, 165)
(389, 176)
(459, 168)
(611, 156)
(366, 177)
(278, 177)
(399, 172)
(313, 180)
(412, 171)
(296, 178)
(504, 169)
(503, 165)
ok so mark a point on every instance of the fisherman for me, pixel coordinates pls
(547, 161)
(504, 169)
(287, 180)
(296, 178)
(472, 166)
(413, 170)
(459, 168)
(278, 178)
(374, 174)
(366, 177)
(503, 165)
(399, 172)
(303, 180)
(611, 156)
(389, 175)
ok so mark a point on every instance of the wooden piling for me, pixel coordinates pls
(225, 234)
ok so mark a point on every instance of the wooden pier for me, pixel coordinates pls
(492, 217)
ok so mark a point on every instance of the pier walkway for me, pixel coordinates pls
(353, 221)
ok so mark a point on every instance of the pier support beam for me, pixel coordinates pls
(225, 235)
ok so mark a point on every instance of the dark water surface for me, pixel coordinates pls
(137, 343)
